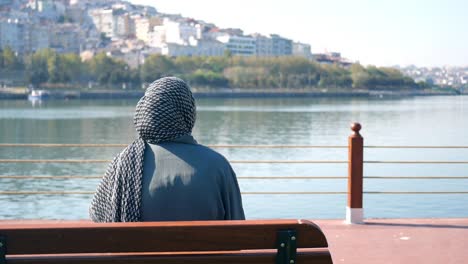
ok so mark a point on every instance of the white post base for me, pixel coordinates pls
(354, 215)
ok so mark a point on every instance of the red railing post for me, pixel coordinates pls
(354, 210)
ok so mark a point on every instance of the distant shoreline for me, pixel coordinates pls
(230, 93)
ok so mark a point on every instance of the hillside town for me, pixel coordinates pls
(456, 77)
(132, 32)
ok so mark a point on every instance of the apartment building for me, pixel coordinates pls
(23, 37)
(238, 45)
(301, 50)
(272, 45)
(65, 38)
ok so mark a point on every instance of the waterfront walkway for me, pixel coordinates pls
(398, 241)
(382, 241)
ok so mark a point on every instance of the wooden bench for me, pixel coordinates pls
(251, 241)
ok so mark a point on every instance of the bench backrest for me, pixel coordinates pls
(262, 241)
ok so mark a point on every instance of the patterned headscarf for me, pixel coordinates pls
(166, 111)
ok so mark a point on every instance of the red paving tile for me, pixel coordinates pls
(383, 241)
(398, 241)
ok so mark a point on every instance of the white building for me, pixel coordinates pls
(103, 20)
(38, 38)
(23, 37)
(157, 33)
(197, 48)
(48, 9)
(65, 38)
(238, 45)
(13, 34)
(88, 3)
(181, 32)
(210, 48)
(175, 50)
(77, 13)
(144, 28)
(122, 6)
(114, 23)
(124, 25)
(157, 37)
(301, 50)
(464, 79)
(273, 45)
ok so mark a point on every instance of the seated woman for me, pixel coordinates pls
(165, 175)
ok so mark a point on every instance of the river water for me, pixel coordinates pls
(439, 121)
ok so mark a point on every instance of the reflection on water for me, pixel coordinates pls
(412, 121)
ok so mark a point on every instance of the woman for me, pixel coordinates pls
(165, 175)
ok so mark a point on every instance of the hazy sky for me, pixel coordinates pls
(380, 32)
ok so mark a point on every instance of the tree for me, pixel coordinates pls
(227, 53)
(1, 59)
(53, 68)
(359, 76)
(9, 60)
(222, 71)
(37, 71)
(207, 78)
(245, 77)
(187, 65)
(74, 69)
(157, 66)
(334, 76)
(108, 71)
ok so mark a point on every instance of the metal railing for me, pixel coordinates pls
(355, 176)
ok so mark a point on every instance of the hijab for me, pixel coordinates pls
(166, 112)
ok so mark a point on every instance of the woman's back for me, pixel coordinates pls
(164, 174)
(183, 180)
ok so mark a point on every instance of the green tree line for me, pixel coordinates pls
(49, 67)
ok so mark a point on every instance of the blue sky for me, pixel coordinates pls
(379, 32)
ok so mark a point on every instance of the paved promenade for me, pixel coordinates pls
(382, 241)
(440, 241)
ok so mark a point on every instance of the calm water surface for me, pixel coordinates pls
(412, 121)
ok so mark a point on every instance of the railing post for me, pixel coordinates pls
(354, 210)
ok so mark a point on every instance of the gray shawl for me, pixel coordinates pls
(166, 112)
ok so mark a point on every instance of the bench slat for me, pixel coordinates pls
(88, 237)
(316, 256)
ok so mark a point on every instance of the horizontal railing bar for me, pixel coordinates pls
(289, 161)
(124, 145)
(40, 145)
(254, 177)
(244, 193)
(49, 177)
(414, 162)
(292, 177)
(250, 177)
(239, 177)
(415, 192)
(275, 193)
(241, 161)
(46, 145)
(274, 146)
(51, 161)
(420, 147)
(416, 177)
(45, 193)
(107, 161)
(89, 193)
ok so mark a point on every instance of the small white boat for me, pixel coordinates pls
(38, 95)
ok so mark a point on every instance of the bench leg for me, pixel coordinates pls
(287, 247)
